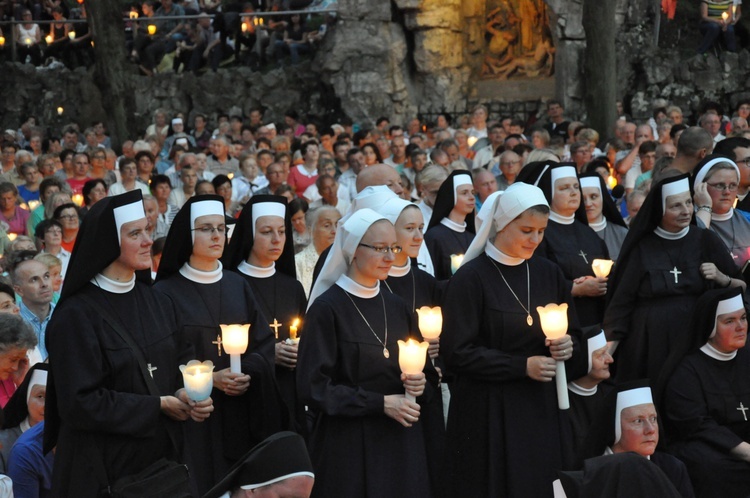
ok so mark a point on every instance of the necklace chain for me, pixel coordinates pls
(386, 353)
(527, 308)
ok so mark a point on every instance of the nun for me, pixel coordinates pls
(105, 418)
(721, 177)
(451, 227)
(602, 213)
(570, 243)
(503, 407)
(587, 393)
(192, 277)
(707, 398)
(262, 253)
(368, 439)
(665, 264)
(629, 422)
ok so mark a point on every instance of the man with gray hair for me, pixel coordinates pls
(507, 169)
(220, 162)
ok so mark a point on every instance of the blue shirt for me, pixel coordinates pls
(28, 467)
(40, 327)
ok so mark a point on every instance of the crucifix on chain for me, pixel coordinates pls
(275, 326)
(743, 409)
(218, 343)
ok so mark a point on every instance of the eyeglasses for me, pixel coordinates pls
(54, 231)
(67, 217)
(209, 230)
(746, 161)
(384, 249)
(723, 186)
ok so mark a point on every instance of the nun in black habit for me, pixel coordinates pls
(665, 264)
(570, 243)
(704, 403)
(504, 426)
(247, 403)
(629, 422)
(369, 440)
(100, 413)
(451, 227)
(262, 252)
(602, 213)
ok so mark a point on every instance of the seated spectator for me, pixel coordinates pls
(220, 162)
(322, 223)
(29, 39)
(81, 172)
(223, 187)
(204, 187)
(46, 164)
(54, 266)
(16, 339)
(93, 191)
(128, 178)
(249, 182)
(10, 212)
(81, 48)
(145, 164)
(186, 190)
(54, 200)
(328, 188)
(29, 191)
(294, 41)
(161, 188)
(49, 232)
(7, 305)
(99, 169)
(713, 24)
(59, 30)
(67, 216)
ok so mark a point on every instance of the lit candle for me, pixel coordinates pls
(33, 204)
(734, 12)
(230, 175)
(198, 378)
(234, 338)
(260, 21)
(456, 260)
(471, 141)
(411, 358)
(27, 41)
(2, 41)
(430, 322)
(293, 331)
(133, 15)
(152, 29)
(611, 182)
(244, 27)
(554, 319)
(12, 236)
(602, 267)
(72, 35)
(77, 199)
(48, 39)
(724, 16)
(60, 111)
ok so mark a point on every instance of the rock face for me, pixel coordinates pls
(403, 58)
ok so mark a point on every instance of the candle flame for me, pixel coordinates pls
(133, 15)
(152, 29)
(611, 182)
(48, 39)
(2, 41)
(72, 35)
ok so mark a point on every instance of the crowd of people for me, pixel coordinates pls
(218, 33)
(120, 266)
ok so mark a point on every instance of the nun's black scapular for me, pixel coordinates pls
(98, 406)
(655, 284)
(276, 288)
(204, 300)
(707, 401)
(571, 244)
(443, 236)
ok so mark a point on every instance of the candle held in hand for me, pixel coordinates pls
(198, 378)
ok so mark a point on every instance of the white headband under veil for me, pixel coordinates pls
(345, 244)
(506, 207)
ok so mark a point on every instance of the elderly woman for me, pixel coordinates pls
(262, 252)
(704, 399)
(602, 213)
(10, 213)
(348, 374)
(322, 223)
(24, 410)
(114, 350)
(664, 265)
(192, 276)
(300, 233)
(503, 403)
(720, 177)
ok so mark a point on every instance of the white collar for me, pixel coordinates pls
(722, 217)
(609, 451)
(669, 235)
(714, 353)
(201, 277)
(460, 228)
(25, 425)
(400, 271)
(301, 169)
(257, 271)
(113, 286)
(358, 290)
(563, 220)
(582, 391)
(499, 256)
(598, 227)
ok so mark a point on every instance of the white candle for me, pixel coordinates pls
(430, 322)
(72, 35)
(198, 378)
(554, 320)
(602, 267)
(234, 338)
(411, 358)
(456, 260)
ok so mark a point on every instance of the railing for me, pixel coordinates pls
(137, 19)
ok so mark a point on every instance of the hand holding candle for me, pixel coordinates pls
(431, 325)
(234, 338)
(293, 331)
(198, 378)
(554, 320)
(412, 356)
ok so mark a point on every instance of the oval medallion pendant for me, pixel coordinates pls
(529, 320)
(386, 353)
